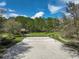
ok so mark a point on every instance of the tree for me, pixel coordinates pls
(72, 27)
(39, 24)
(2, 19)
(52, 24)
(30, 24)
(23, 20)
(11, 26)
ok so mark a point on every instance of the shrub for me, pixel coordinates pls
(74, 45)
(54, 35)
(6, 39)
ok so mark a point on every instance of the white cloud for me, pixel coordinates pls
(3, 9)
(11, 10)
(54, 9)
(66, 1)
(74, 1)
(66, 13)
(23, 15)
(13, 15)
(38, 14)
(5, 15)
(3, 3)
(10, 15)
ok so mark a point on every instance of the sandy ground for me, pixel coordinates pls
(38, 48)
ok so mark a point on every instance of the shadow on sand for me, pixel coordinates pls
(17, 50)
(72, 49)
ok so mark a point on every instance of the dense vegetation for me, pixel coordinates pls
(71, 27)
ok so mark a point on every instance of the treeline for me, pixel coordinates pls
(19, 23)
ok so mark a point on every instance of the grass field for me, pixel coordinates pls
(37, 34)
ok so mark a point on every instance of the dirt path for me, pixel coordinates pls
(38, 48)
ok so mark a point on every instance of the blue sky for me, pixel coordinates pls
(33, 8)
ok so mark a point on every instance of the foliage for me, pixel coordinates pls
(71, 26)
(37, 24)
(52, 24)
(11, 26)
(7, 40)
(22, 20)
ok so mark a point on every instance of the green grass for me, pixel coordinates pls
(37, 34)
(58, 36)
(18, 39)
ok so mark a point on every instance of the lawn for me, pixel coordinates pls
(38, 34)
(58, 36)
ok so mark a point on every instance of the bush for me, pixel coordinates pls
(17, 35)
(54, 35)
(58, 37)
(6, 39)
(74, 45)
